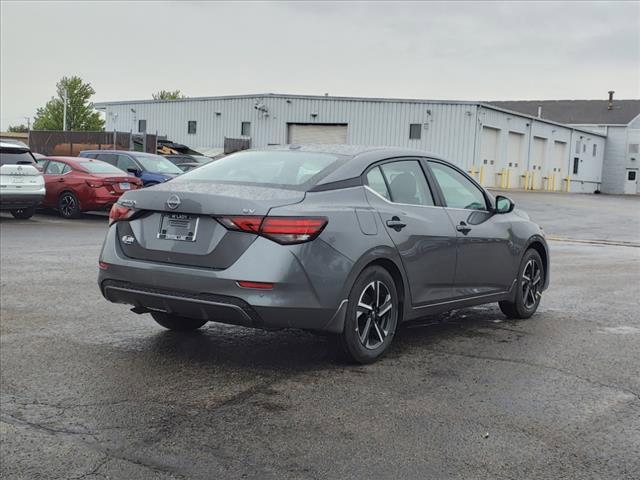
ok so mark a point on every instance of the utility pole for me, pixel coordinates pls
(28, 119)
(64, 112)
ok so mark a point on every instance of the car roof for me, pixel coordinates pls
(355, 158)
(16, 146)
(74, 160)
(123, 152)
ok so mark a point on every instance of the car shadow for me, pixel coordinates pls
(299, 351)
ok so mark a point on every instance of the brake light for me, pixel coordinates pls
(118, 212)
(95, 183)
(283, 230)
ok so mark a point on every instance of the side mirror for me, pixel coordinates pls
(504, 204)
(134, 171)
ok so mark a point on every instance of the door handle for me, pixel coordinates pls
(61, 179)
(463, 227)
(396, 224)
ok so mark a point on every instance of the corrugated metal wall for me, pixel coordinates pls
(451, 130)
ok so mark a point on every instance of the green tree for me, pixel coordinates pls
(80, 113)
(168, 95)
(18, 128)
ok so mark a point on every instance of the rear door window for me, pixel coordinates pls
(376, 182)
(55, 168)
(110, 158)
(407, 183)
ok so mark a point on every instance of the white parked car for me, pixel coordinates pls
(21, 183)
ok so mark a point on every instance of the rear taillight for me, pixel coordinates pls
(118, 212)
(283, 230)
(242, 223)
(95, 183)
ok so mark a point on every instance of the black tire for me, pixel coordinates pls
(68, 205)
(176, 323)
(528, 287)
(369, 331)
(23, 213)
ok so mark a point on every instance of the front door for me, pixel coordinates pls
(483, 239)
(631, 183)
(421, 231)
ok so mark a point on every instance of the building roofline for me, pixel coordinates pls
(536, 119)
(284, 95)
(104, 105)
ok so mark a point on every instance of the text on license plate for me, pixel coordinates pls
(178, 226)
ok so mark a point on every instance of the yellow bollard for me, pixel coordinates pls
(526, 180)
(568, 180)
(533, 181)
(481, 181)
(508, 178)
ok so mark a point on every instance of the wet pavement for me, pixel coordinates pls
(91, 390)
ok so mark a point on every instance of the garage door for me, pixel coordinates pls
(313, 133)
(489, 153)
(514, 158)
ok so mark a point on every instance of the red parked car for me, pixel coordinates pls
(77, 185)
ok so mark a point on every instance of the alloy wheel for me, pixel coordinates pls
(67, 205)
(374, 314)
(531, 283)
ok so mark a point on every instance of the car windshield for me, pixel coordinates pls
(96, 166)
(277, 168)
(13, 156)
(157, 164)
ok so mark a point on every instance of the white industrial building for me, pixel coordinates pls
(501, 148)
(619, 120)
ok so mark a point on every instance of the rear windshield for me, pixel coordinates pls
(157, 164)
(96, 166)
(272, 168)
(12, 156)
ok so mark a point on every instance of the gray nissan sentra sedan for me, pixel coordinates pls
(340, 239)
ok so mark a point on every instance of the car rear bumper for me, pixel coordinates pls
(16, 201)
(304, 295)
(221, 308)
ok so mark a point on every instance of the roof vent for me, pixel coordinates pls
(539, 111)
(610, 106)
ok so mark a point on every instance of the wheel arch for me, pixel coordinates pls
(386, 258)
(538, 244)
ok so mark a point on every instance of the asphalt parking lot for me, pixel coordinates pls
(90, 390)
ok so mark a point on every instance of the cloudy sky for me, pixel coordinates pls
(453, 50)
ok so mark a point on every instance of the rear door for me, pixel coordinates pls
(421, 231)
(484, 262)
(54, 180)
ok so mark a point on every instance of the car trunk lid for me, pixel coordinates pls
(176, 221)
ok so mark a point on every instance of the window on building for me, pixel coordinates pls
(415, 131)
(584, 147)
(634, 148)
(576, 165)
(142, 126)
(595, 149)
(245, 129)
(191, 127)
(631, 175)
(577, 146)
